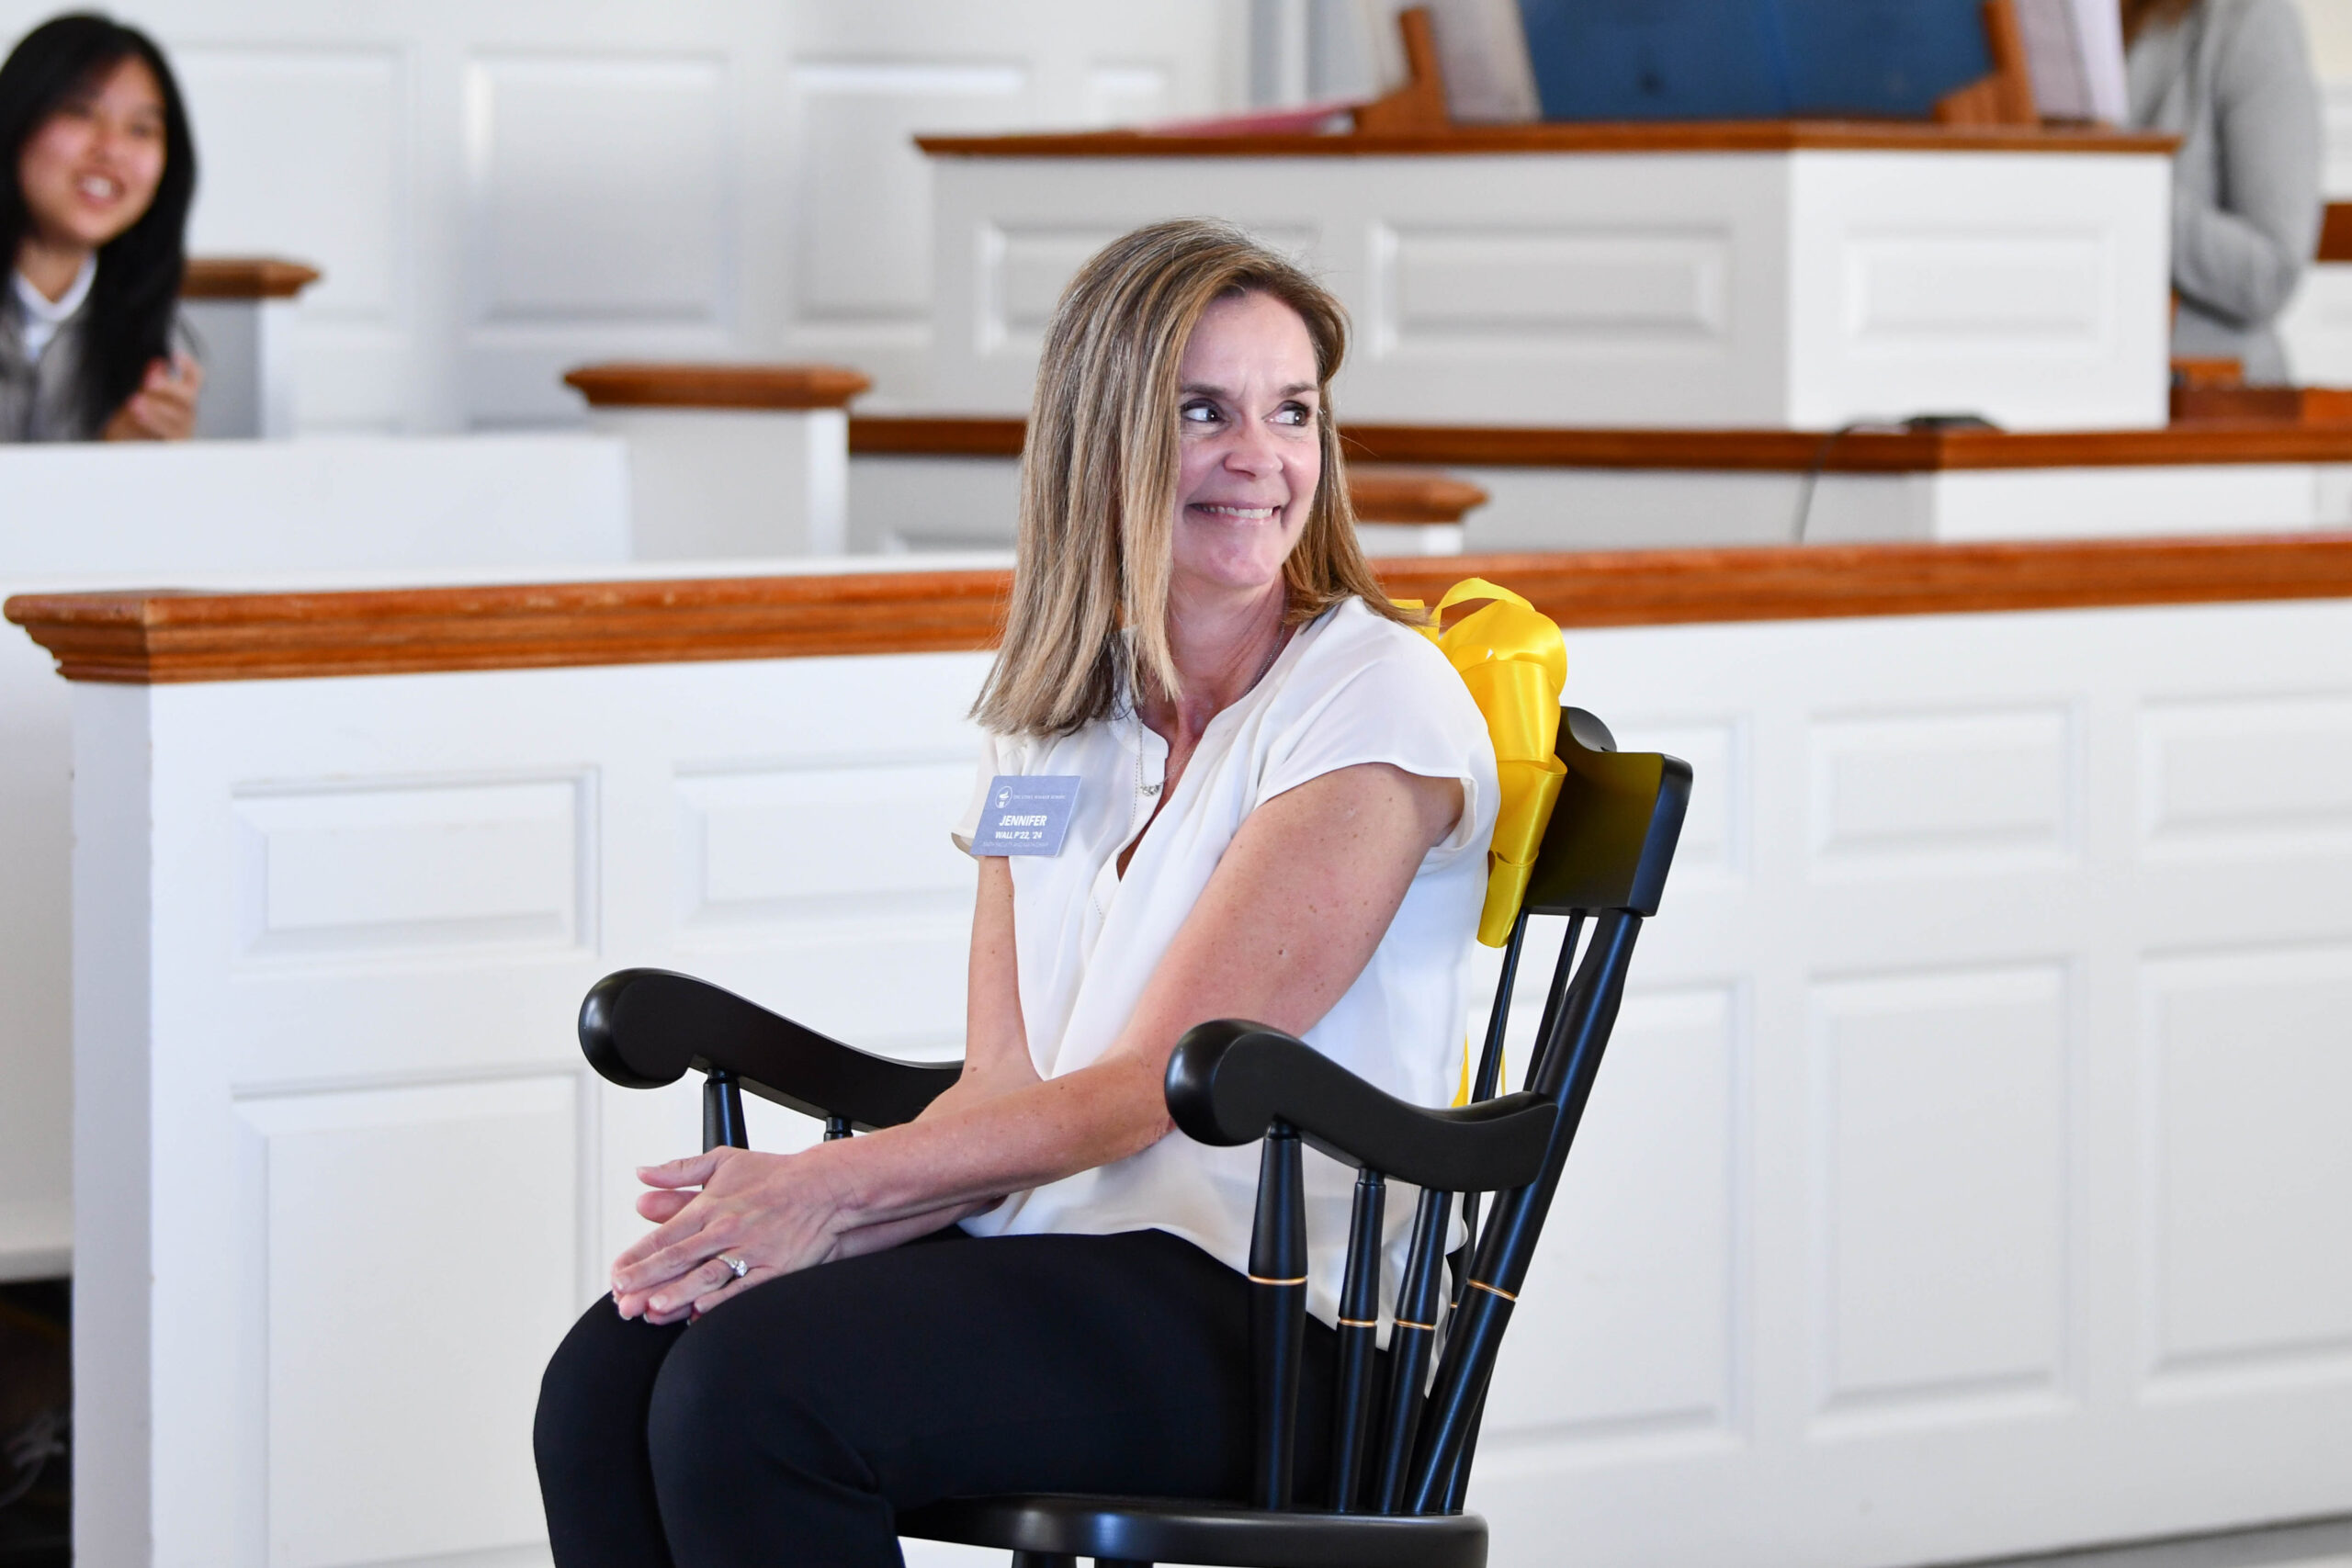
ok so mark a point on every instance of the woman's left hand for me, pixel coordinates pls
(776, 1213)
(164, 409)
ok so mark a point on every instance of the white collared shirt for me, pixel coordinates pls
(1350, 688)
(42, 316)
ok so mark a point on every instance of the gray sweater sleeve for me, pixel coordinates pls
(2240, 258)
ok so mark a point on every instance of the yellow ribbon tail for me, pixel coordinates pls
(1510, 657)
(1529, 790)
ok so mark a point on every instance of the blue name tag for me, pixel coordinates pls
(1026, 815)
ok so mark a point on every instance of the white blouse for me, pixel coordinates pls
(1351, 687)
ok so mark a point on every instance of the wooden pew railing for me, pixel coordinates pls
(155, 637)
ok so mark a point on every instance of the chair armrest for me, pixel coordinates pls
(1227, 1080)
(644, 1028)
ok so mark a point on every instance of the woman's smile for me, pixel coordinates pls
(90, 170)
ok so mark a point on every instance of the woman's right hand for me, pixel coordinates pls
(164, 409)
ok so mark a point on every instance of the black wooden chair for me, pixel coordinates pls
(1401, 1452)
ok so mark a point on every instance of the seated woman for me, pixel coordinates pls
(1283, 799)
(94, 202)
(2232, 80)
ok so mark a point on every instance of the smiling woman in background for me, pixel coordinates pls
(94, 202)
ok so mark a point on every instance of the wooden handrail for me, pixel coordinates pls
(1464, 141)
(245, 277)
(159, 638)
(2226, 441)
(1384, 494)
(2336, 232)
(716, 386)
(936, 436)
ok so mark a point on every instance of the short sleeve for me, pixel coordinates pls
(1394, 699)
(991, 765)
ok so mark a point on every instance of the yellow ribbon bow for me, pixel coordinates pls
(1509, 655)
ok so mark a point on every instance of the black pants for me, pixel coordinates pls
(791, 1424)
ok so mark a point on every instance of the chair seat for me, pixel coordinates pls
(1161, 1529)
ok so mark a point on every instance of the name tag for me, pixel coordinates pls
(1026, 815)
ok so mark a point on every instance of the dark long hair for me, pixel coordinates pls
(134, 299)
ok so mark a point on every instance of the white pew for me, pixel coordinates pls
(729, 461)
(242, 311)
(1975, 1131)
(1761, 276)
(927, 483)
(193, 515)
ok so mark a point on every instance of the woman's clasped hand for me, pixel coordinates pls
(779, 1205)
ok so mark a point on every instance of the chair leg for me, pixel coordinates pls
(1043, 1560)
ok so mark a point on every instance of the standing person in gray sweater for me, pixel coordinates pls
(2232, 79)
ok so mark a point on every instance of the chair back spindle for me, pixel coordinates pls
(1570, 1062)
(1562, 971)
(1490, 1054)
(1410, 1342)
(1278, 1310)
(1352, 1400)
(1490, 1060)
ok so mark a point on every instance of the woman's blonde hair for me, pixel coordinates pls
(1088, 614)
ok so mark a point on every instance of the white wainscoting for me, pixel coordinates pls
(217, 514)
(1968, 1176)
(499, 189)
(1780, 290)
(2027, 919)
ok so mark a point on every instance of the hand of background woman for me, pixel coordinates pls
(164, 409)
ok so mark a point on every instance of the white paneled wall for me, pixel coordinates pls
(238, 511)
(1732, 289)
(497, 189)
(1967, 1177)
(865, 78)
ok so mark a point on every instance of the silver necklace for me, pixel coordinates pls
(1147, 792)
(1282, 640)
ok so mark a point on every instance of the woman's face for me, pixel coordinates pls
(91, 169)
(1248, 452)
